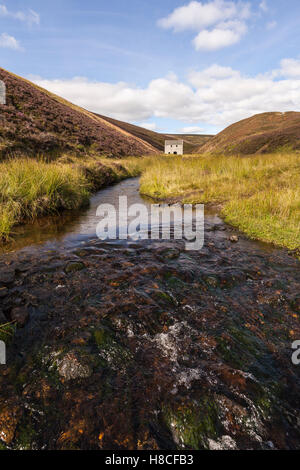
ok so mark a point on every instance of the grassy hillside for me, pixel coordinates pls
(262, 133)
(36, 122)
(157, 140)
(259, 194)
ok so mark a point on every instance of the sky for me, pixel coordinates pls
(168, 65)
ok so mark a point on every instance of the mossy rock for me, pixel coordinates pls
(247, 352)
(174, 282)
(74, 267)
(193, 424)
(113, 355)
(164, 297)
(102, 337)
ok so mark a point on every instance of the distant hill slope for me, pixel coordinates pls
(192, 142)
(157, 140)
(153, 138)
(37, 122)
(261, 133)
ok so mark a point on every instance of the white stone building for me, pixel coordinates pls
(174, 147)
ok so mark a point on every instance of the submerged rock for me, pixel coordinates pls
(167, 352)
(71, 367)
(20, 316)
(7, 277)
(225, 443)
(10, 415)
(74, 267)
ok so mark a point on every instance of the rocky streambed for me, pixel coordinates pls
(147, 346)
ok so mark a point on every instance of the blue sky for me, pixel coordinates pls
(169, 65)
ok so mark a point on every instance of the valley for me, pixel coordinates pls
(141, 344)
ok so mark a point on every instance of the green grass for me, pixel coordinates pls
(33, 188)
(258, 194)
(29, 189)
(7, 332)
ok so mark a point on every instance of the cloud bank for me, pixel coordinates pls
(191, 130)
(217, 96)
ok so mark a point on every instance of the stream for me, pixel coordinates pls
(144, 345)
(72, 228)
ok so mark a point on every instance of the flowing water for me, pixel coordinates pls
(74, 227)
(144, 345)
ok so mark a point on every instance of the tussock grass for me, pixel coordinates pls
(33, 188)
(258, 194)
(29, 189)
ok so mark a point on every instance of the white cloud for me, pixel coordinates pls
(219, 23)
(151, 126)
(198, 15)
(264, 6)
(30, 17)
(191, 130)
(214, 72)
(9, 42)
(224, 35)
(289, 68)
(216, 96)
(124, 102)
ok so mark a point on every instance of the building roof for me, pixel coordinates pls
(174, 142)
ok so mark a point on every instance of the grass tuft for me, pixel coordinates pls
(258, 194)
(33, 188)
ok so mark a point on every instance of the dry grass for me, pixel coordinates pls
(259, 194)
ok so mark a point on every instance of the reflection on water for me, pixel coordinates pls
(73, 227)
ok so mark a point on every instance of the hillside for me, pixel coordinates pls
(153, 138)
(157, 140)
(192, 142)
(36, 122)
(262, 133)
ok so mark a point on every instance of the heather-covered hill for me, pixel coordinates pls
(262, 133)
(36, 122)
(157, 140)
(153, 138)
